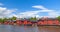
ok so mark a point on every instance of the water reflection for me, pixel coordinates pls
(49, 29)
(13, 28)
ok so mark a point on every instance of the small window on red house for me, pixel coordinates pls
(54, 23)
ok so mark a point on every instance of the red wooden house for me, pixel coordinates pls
(27, 22)
(48, 21)
(19, 22)
(6, 22)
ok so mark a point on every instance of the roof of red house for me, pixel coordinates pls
(48, 19)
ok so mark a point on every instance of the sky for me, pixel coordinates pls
(29, 8)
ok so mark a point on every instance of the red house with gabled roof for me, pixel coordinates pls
(48, 21)
(27, 22)
(19, 22)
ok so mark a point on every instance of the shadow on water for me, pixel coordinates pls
(14, 28)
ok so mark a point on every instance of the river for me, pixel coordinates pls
(14, 28)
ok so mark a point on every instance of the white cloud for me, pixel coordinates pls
(28, 14)
(54, 14)
(40, 7)
(5, 12)
(11, 15)
(51, 13)
(1, 4)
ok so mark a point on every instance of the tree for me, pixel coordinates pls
(13, 18)
(33, 18)
(4, 19)
(58, 18)
(1, 20)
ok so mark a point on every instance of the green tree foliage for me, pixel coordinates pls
(1, 20)
(58, 18)
(5, 19)
(13, 18)
(33, 18)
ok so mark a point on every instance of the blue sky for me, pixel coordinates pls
(30, 8)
